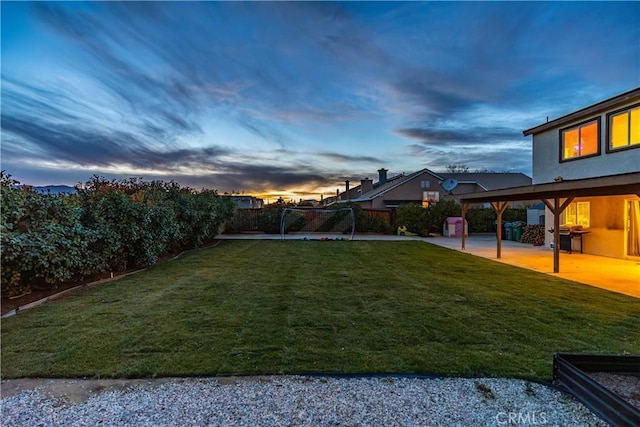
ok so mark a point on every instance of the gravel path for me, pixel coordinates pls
(301, 401)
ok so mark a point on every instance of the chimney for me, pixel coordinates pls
(366, 185)
(382, 176)
(346, 191)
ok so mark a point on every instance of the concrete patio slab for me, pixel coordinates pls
(617, 275)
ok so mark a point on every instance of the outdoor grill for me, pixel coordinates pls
(567, 234)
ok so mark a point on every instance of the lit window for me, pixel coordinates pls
(578, 213)
(430, 197)
(580, 141)
(624, 128)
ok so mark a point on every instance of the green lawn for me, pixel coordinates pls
(259, 307)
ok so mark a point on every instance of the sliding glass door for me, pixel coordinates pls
(633, 228)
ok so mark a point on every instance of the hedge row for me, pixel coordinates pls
(267, 219)
(413, 216)
(430, 220)
(107, 226)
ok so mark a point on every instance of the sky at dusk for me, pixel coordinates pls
(292, 98)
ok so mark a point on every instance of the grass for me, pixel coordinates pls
(260, 307)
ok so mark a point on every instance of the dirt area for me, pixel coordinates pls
(79, 389)
(70, 390)
(9, 304)
(625, 386)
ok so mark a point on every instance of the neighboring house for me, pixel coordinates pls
(425, 187)
(246, 202)
(586, 169)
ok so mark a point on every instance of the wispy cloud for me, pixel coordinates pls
(460, 135)
(238, 95)
(338, 157)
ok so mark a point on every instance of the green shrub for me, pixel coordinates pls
(481, 220)
(269, 217)
(438, 212)
(376, 224)
(43, 240)
(413, 216)
(107, 226)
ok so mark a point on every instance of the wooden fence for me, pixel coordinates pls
(268, 220)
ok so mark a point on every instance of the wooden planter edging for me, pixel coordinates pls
(570, 375)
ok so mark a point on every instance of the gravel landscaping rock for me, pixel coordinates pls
(299, 401)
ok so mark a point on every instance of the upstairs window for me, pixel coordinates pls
(579, 141)
(624, 129)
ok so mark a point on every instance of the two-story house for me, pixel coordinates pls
(586, 169)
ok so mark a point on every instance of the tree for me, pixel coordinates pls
(459, 168)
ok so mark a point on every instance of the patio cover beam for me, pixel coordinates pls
(465, 206)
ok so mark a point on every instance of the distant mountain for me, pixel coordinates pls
(55, 189)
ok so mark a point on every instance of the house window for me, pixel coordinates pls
(424, 184)
(430, 197)
(624, 128)
(579, 141)
(578, 213)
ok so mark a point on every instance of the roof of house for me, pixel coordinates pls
(487, 181)
(395, 182)
(490, 180)
(587, 111)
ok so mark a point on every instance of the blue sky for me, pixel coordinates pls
(292, 98)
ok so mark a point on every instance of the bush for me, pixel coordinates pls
(376, 224)
(269, 217)
(437, 213)
(412, 216)
(366, 222)
(483, 220)
(43, 240)
(107, 226)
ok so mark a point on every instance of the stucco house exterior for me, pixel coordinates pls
(595, 142)
(425, 187)
(586, 169)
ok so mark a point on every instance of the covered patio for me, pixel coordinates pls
(557, 196)
(616, 275)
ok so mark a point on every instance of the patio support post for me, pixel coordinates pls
(465, 206)
(557, 209)
(499, 207)
(556, 237)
